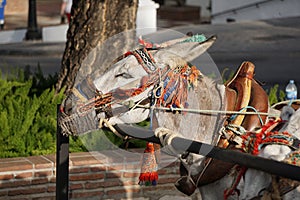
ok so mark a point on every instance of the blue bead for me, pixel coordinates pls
(154, 182)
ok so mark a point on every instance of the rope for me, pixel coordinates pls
(247, 107)
(289, 102)
(237, 130)
(103, 121)
(154, 97)
(199, 111)
(166, 136)
(152, 113)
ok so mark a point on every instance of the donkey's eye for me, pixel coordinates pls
(124, 75)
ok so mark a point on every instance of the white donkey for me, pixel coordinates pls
(132, 88)
(261, 185)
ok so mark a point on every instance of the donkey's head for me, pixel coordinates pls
(127, 72)
(135, 75)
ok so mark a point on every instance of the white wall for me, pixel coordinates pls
(266, 10)
(146, 19)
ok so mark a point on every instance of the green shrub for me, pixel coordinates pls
(28, 114)
(28, 123)
(225, 76)
(275, 95)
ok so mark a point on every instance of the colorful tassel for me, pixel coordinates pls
(176, 85)
(149, 175)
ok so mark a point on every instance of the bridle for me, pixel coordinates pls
(155, 78)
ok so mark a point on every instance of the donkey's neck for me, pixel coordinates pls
(208, 95)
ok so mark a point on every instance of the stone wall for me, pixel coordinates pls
(91, 176)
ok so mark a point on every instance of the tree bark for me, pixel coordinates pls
(92, 22)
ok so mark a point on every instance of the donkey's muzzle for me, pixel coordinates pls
(186, 185)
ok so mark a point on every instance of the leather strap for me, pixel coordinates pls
(242, 90)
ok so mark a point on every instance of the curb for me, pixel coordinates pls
(33, 48)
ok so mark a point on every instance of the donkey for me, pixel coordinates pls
(132, 88)
(262, 185)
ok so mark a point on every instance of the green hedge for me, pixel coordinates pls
(28, 120)
(28, 105)
(28, 113)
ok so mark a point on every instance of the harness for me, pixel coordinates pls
(99, 102)
(169, 89)
(253, 142)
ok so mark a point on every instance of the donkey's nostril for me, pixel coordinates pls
(118, 75)
(124, 75)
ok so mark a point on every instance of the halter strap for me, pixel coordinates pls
(145, 59)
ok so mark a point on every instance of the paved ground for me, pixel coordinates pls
(272, 45)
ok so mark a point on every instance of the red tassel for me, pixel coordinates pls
(148, 174)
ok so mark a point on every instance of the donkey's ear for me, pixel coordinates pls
(191, 50)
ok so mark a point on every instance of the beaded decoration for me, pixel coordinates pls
(254, 141)
(293, 158)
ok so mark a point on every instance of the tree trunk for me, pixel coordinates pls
(92, 22)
